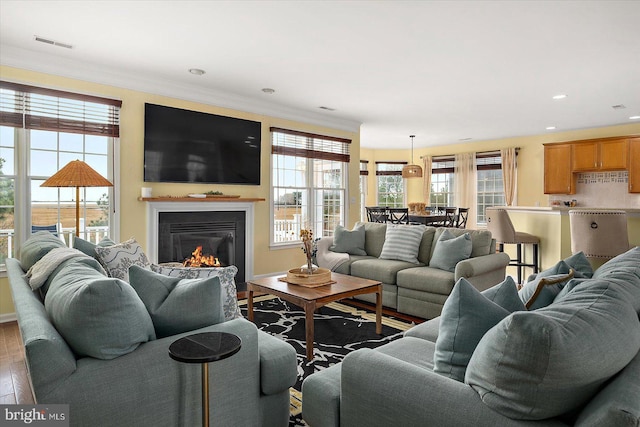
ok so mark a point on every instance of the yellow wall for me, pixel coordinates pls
(133, 212)
(530, 160)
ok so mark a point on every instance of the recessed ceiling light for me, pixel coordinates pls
(268, 90)
(196, 71)
(560, 96)
(634, 117)
(550, 128)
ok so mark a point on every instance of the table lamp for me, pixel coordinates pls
(77, 174)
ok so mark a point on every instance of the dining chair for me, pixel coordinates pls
(398, 215)
(463, 214)
(377, 214)
(451, 219)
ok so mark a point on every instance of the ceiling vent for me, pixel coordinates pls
(327, 108)
(52, 42)
(618, 107)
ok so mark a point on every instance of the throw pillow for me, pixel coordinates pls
(350, 242)
(89, 248)
(177, 305)
(466, 316)
(98, 316)
(118, 258)
(450, 250)
(540, 364)
(535, 296)
(402, 242)
(578, 262)
(37, 246)
(227, 281)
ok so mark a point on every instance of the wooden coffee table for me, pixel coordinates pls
(312, 298)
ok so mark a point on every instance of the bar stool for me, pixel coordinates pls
(599, 234)
(501, 228)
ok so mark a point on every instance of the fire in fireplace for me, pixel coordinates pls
(199, 260)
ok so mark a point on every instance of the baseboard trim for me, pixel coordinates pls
(9, 317)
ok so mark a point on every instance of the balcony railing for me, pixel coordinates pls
(91, 234)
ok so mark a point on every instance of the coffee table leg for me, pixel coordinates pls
(250, 305)
(309, 308)
(379, 311)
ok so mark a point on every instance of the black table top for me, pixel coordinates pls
(205, 347)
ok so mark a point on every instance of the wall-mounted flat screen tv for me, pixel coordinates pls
(191, 146)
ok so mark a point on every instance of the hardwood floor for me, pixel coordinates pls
(14, 384)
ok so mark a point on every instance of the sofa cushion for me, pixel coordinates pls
(349, 241)
(374, 234)
(480, 239)
(466, 316)
(544, 363)
(549, 292)
(37, 246)
(616, 405)
(89, 248)
(227, 281)
(426, 279)
(118, 258)
(98, 316)
(177, 305)
(402, 242)
(383, 270)
(450, 250)
(426, 245)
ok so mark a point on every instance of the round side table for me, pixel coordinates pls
(204, 348)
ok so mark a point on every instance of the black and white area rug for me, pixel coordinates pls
(339, 329)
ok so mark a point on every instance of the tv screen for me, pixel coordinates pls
(191, 146)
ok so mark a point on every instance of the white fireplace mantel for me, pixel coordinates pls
(153, 213)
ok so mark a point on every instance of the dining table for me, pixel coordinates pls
(431, 219)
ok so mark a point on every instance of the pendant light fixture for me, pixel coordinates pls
(411, 171)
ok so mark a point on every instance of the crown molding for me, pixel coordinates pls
(70, 68)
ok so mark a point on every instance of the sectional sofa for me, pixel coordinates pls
(413, 285)
(487, 361)
(90, 342)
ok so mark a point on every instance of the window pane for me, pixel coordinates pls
(7, 240)
(43, 163)
(96, 144)
(72, 142)
(44, 140)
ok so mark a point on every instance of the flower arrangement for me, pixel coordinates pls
(309, 247)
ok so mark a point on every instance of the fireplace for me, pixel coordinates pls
(223, 229)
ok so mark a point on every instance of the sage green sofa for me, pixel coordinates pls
(420, 289)
(143, 386)
(574, 362)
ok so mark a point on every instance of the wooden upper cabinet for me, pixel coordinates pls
(558, 178)
(600, 155)
(634, 165)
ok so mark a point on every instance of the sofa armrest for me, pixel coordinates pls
(380, 390)
(427, 330)
(278, 364)
(480, 265)
(326, 258)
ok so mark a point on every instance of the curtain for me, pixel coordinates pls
(426, 180)
(509, 174)
(466, 185)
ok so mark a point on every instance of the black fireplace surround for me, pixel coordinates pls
(220, 233)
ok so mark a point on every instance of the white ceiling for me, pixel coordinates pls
(442, 70)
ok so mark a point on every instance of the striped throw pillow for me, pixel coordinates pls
(402, 242)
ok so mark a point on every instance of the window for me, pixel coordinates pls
(490, 186)
(308, 184)
(364, 173)
(490, 190)
(48, 129)
(442, 182)
(391, 189)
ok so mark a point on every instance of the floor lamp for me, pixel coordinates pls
(77, 174)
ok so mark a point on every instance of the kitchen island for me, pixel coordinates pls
(551, 225)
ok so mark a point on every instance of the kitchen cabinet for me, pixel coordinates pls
(608, 154)
(558, 177)
(634, 165)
